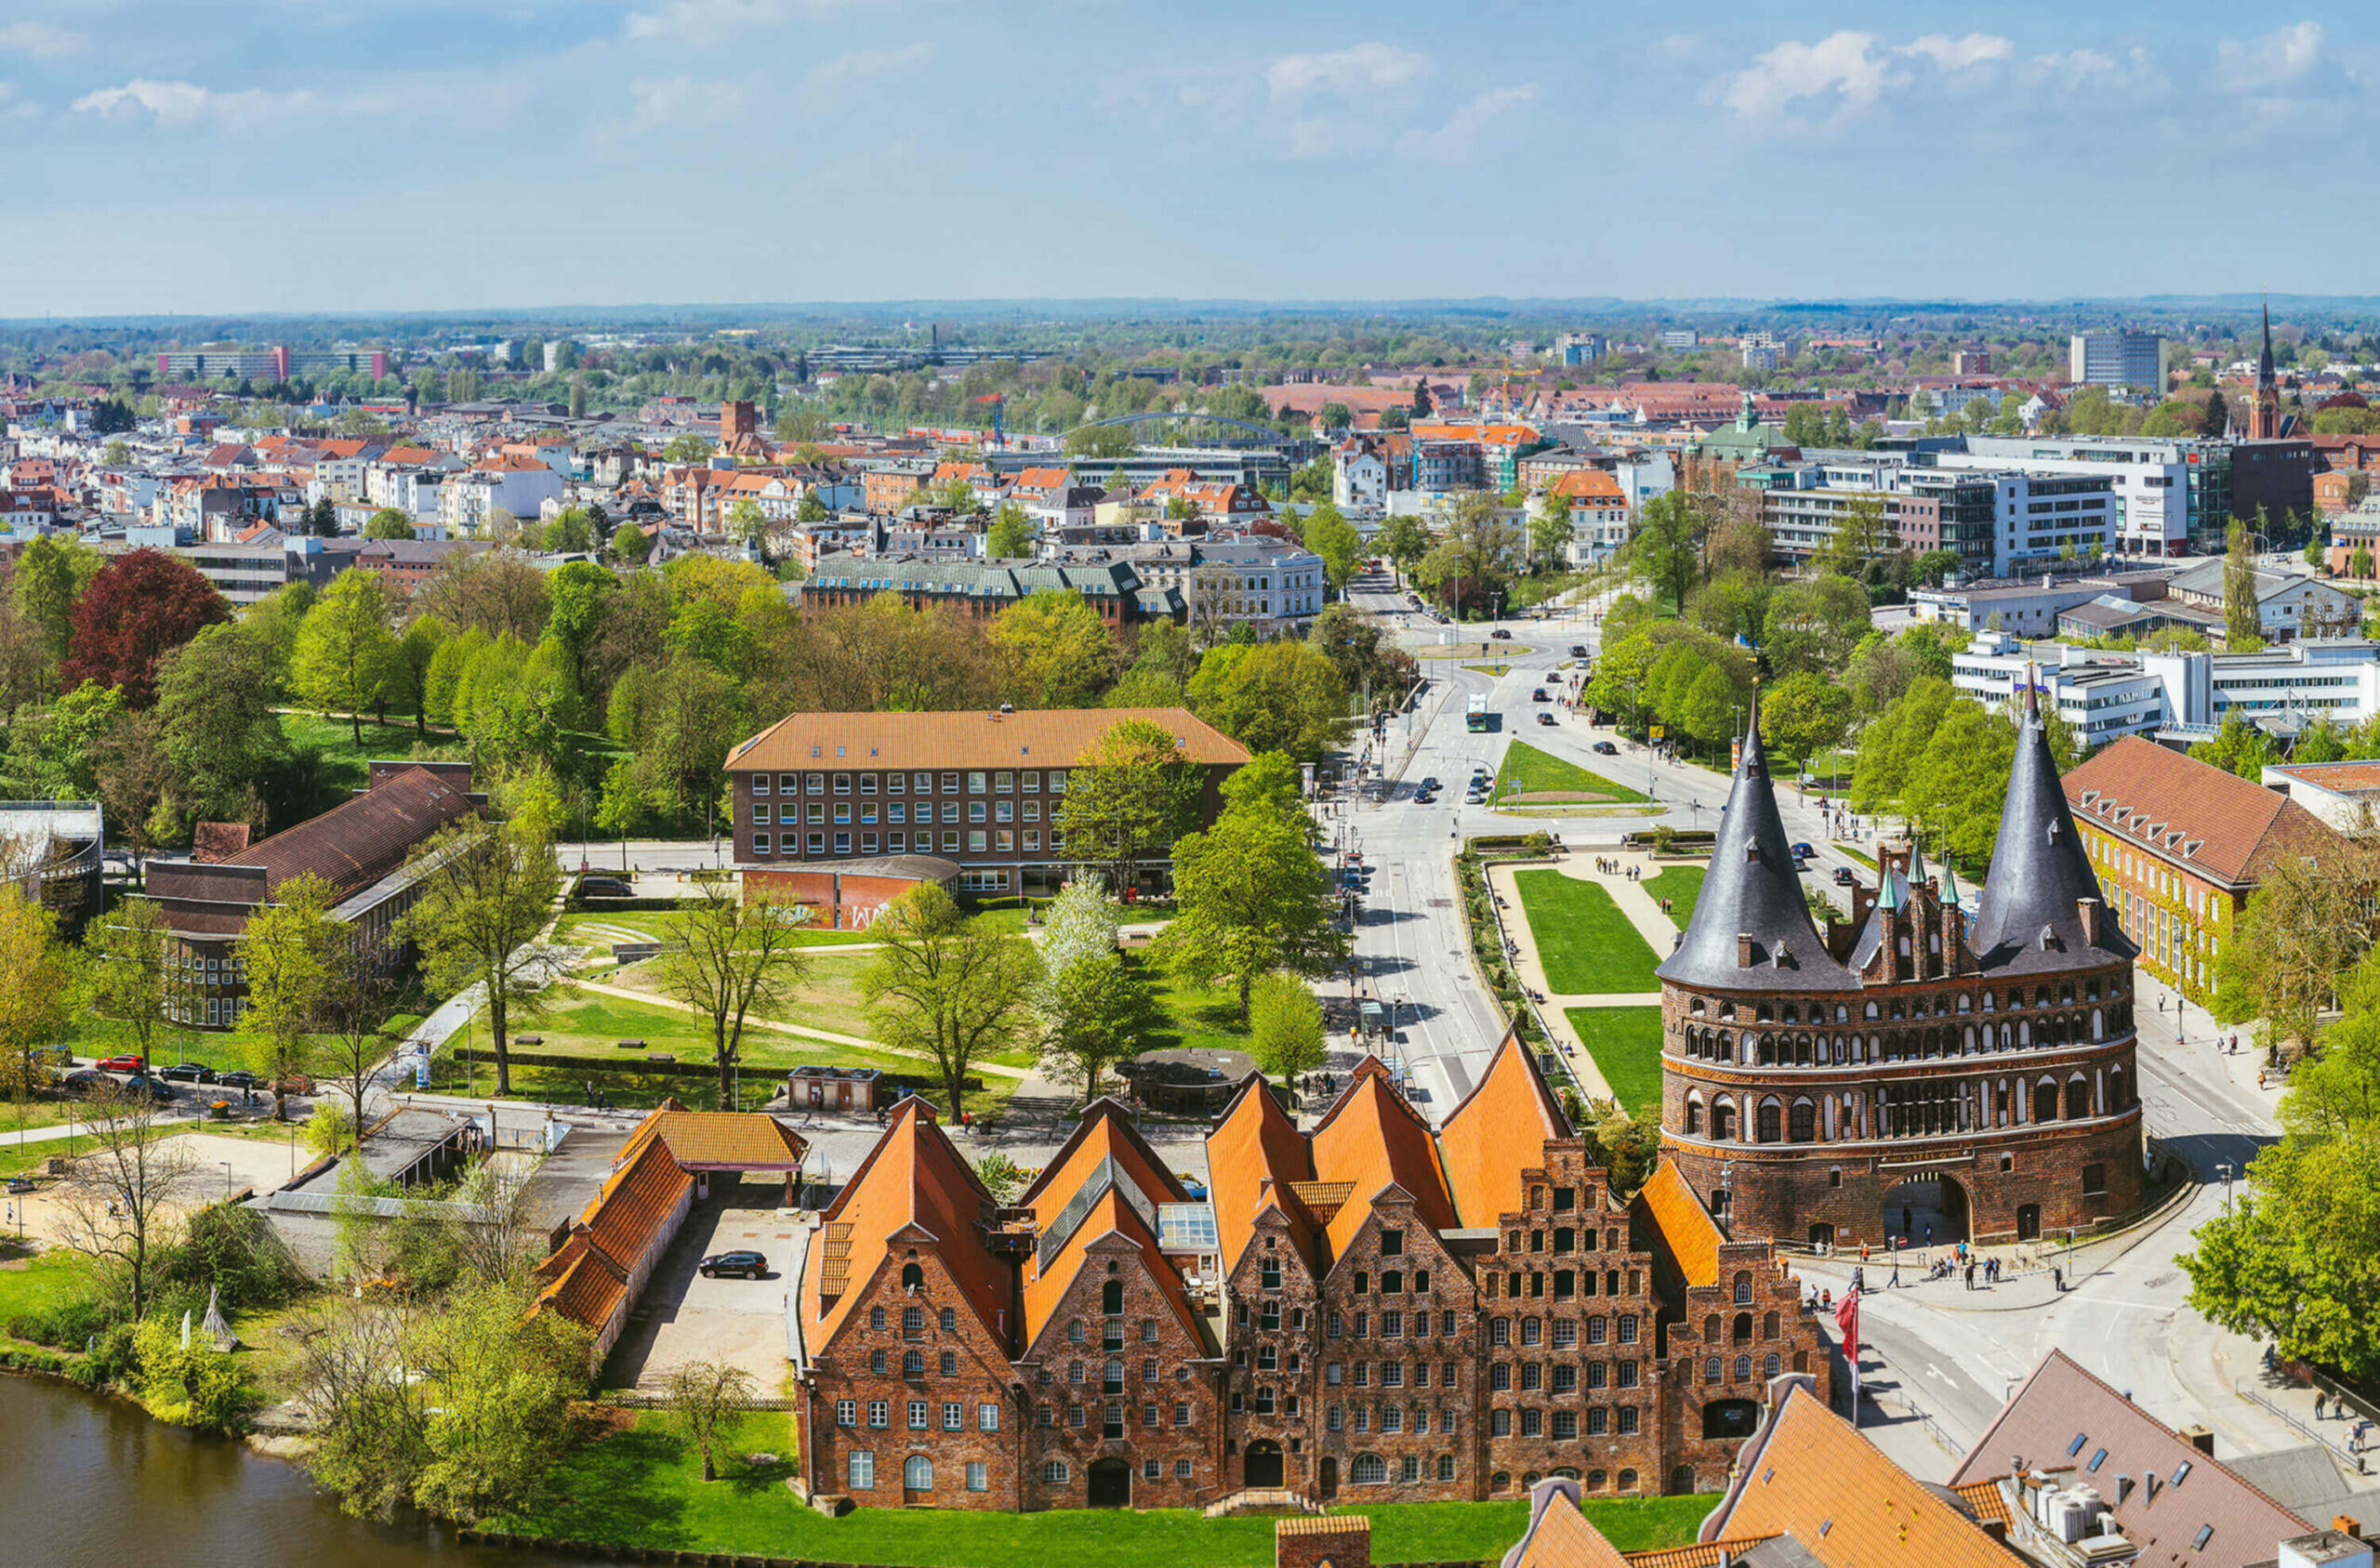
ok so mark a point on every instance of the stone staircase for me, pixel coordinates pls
(1271, 1502)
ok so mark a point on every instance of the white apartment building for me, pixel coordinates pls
(2178, 697)
(513, 485)
(1358, 478)
(2169, 491)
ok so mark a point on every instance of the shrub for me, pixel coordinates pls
(67, 1325)
(237, 1252)
(193, 1386)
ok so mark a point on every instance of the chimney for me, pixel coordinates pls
(1743, 950)
(2200, 1438)
(2089, 909)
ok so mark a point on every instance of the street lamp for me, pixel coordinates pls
(227, 1178)
(2223, 1171)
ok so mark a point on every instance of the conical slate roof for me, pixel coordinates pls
(2040, 873)
(1752, 891)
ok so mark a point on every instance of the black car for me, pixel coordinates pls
(188, 1072)
(751, 1265)
(1845, 876)
(148, 1087)
(1545, 718)
(85, 1081)
(1501, 634)
(1578, 650)
(1605, 749)
(1538, 696)
(604, 887)
(240, 1078)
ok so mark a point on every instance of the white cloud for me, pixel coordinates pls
(1458, 139)
(184, 103)
(1959, 54)
(42, 40)
(15, 107)
(685, 101)
(2280, 59)
(832, 78)
(1371, 67)
(710, 22)
(1844, 66)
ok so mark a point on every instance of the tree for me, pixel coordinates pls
(733, 956)
(2216, 419)
(1127, 798)
(119, 1201)
(1332, 537)
(345, 647)
(1421, 404)
(1358, 645)
(630, 545)
(1863, 535)
(321, 518)
(215, 696)
(1663, 547)
(1093, 1008)
(139, 607)
(42, 587)
(2307, 924)
(486, 889)
(1549, 527)
(1057, 651)
(34, 995)
(1814, 626)
(1254, 897)
(946, 987)
(578, 397)
(388, 523)
(2238, 748)
(1477, 558)
(2242, 617)
(1804, 714)
(497, 592)
(1404, 541)
(1011, 536)
(288, 952)
(1284, 1026)
(350, 1016)
(1272, 696)
(129, 970)
(572, 530)
(687, 449)
(702, 1397)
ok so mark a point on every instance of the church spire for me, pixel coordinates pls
(1751, 914)
(2264, 359)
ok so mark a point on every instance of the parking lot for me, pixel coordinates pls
(684, 1317)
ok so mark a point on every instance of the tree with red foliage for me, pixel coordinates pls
(139, 607)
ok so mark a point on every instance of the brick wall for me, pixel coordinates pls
(1184, 1396)
(1357, 1292)
(1291, 1330)
(1338, 1542)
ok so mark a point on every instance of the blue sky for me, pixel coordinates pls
(466, 153)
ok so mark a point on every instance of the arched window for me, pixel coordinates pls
(1369, 1469)
(1595, 1480)
(2078, 1099)
(1682, 1481)
(1743, 1288)
(913, 1365)
(1710, 1329)
(1111, 1298)
(912, 1319)
(1872, 1012)
(1693, 1113)
(1723, 1119)
(1842, 1013)
(1771, 1366)
(1767, 1129)
(1743, 1328)
(1501, 1482)
(1803, 1126)
(912, 1277)
(2098, 1024)
(876, 1318)
(1711, 1370)
(2116, 1101)
(1112, 1377)
(1743, 1369)
(1627, 1480)
(2044, 1102)
(917, 1473)
(1769, 1325)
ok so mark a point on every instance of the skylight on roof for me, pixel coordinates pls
(2076, 1446)
(2096, 1460)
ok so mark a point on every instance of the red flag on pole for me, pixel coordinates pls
(1847, 1318)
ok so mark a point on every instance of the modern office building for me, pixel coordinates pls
(2117, 359)
(2173, 494)
(277, 364)
(2178, 698)
(1996, 521)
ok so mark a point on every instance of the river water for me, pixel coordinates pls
(93, 1482)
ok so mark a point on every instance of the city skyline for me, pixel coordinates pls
(439, 157)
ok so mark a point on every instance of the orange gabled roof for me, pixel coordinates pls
(1252, 1155)
(1370, 1139)
(1559, 1536)
(1807, 1474)
(736, 1140)
(1589, 484)
(1501, 1127)
(634, 1202)
(1111, 1216)
(1684, 1226)
(913, 1176)
(1043, 479)
(1105, 1132)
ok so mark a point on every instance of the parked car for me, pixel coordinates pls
(140, 1084)
(1546, 719)
(1605, 749)
(1538, 695)
(84, 1082)
(188, 1072)
(1844, 878)
(604, 887)
(751, 1265)
(124, 1063)
(1578, 650)
(240, 1078)
(1501, 634)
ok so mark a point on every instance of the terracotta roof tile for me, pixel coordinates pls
(634, 1204)
(2192, 813)
(1500, 1127)
(1034, 738)
(363, 837)
(1559, 1536)
(1807, 1474)
(1252, 1156)
(719, 1139)
(1371, 1138)
(1701, 1554)
(1687, 1229)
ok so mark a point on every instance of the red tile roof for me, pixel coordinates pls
(363, 837)
(719, 1139)
(1370, 1138)
(1252, 1155)
(1496, 1132)
(1691, 1236)
(2192, 813)
(1033, 738)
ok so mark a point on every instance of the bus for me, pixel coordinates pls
(1474, 713)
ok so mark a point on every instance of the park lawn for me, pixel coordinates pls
(1626, 1044)
(597, 929)
(1680, 885)
(1586, 944)
(642, 1486)
(827, 998)
(1198, 1017)
(38, 1281)
(344, 762)
(1538, 774)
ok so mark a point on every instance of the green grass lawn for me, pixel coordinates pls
(343, 761)
(662, 926)
(1528, 771)
(1679, 884)
(1626, 1044)
(1586, 944)
(644, 1487)
(1862, 856)
(1202, 1018)
(45, 1279)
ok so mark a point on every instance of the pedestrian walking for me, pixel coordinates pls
(2057, 1279)
(1970, 1275)
(1894, 1283)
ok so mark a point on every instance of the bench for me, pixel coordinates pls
(660, 1057)
(627, 1045)
(528, 1039)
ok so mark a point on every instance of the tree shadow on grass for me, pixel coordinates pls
(619, 1486)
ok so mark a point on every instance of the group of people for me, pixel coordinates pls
(1609, 865)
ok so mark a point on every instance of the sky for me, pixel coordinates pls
(339, 155)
